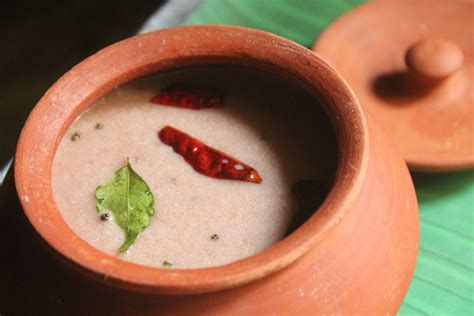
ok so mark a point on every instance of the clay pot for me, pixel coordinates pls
(356, 254)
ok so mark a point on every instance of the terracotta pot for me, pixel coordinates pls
(356, 254)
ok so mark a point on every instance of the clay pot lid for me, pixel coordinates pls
(410, 63)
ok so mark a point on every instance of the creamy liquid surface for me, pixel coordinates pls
(267, 123)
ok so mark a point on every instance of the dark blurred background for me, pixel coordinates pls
(41, 40)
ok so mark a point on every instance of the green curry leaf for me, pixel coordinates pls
(130, 200)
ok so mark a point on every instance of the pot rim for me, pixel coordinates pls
(165, 50)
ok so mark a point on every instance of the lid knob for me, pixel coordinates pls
(434, 58)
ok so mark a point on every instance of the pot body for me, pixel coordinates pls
(357, 254)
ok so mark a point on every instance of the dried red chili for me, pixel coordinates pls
(206, 160)
(190, 97)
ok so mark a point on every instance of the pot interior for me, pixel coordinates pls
(263, 120)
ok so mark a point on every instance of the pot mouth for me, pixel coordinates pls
(171, 49)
